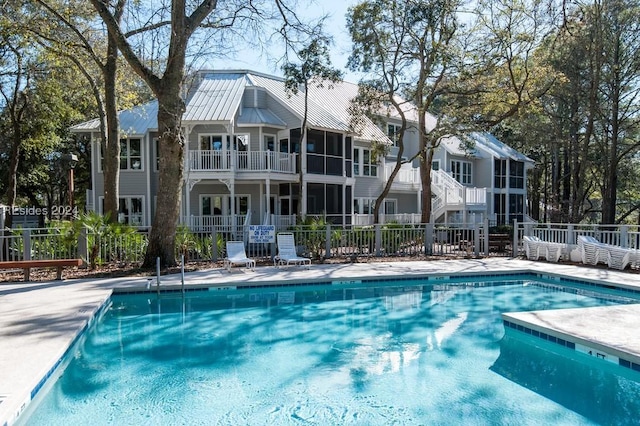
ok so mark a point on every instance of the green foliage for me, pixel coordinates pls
(111, 241)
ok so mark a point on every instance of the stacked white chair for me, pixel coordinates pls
(553, 251)
(532, 246)
(592, 251)
(620, 257)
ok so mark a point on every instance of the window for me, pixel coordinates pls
(500, 208)
(240, 142)
(269, 142)
(390, 206)
(130, 154)
(325, 153)
(516, 207)
(129, 210)
(211, 142)
(500, 173)
(393, 131)
(363, 205)
(221, 205)
(364, 163)
(435, 165)
(461, 171)
(516, 174)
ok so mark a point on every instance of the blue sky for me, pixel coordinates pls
(335, 25)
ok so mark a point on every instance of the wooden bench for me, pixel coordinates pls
(499, 242)
(26, 265)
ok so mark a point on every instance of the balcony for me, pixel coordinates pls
(407, 178)
(241, 161)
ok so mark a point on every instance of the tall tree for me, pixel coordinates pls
(408, 49)
(65, 30)
(173, 25)
(314, 68)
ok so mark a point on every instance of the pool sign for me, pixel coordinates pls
(262, 233)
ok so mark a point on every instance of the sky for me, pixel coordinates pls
(335, 26)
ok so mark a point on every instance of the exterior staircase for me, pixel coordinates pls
(451, 196)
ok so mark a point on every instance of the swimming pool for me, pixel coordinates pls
(405, 352)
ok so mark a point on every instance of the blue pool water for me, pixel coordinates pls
(401, 353)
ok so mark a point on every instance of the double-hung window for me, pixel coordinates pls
(516, 174)
(130, 154)
(461, 171)
(500, 173)
(393, 132)
(363, 163)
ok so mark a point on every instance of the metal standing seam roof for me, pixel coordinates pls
(135, 121)
(317, 115)
(453, 145)
(216, 99)
(490, 144)
(337, 97)
(258, 116)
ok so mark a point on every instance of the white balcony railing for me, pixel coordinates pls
(407, 175)
(241, 161)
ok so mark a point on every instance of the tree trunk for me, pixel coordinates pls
(162, 233)
(111, 143)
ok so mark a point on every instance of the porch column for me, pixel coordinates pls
(187, 196)
(268, 200)
(303, 166)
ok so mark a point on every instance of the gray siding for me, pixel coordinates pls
(406, 203)
(367, 187)
(284, 114)
(254, 97)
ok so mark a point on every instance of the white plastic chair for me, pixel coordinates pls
(553, 251)
(592, 251)
(531, 246)
(287, 254)
(237, 256)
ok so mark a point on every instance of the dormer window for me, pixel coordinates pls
(393, 132)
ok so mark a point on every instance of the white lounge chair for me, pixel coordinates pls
(287, 254)
(532, 246)
(620, 257)
(592, 251)
(553, 251)
(237, 256)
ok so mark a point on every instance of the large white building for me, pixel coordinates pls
(243, 132)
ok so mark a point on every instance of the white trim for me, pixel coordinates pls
(142, 199)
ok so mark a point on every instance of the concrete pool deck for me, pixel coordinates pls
(39, 320)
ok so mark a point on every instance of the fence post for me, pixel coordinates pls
(571, 235)
(514, 243)
(327, 242)
(378, 238)
(428, 239)
(476, 240)
(83, 244)
(26, 244)
(624, 237)
(486, 237)
(214, 245)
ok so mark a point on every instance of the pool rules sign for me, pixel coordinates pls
(262, 233)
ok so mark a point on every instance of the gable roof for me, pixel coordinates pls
(135, 121)
(216, 99)
(497, 149)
